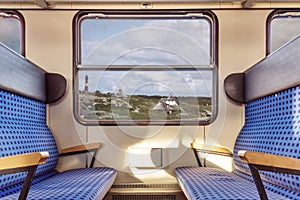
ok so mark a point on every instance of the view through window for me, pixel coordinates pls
(284, 27)
(11, 31)
(157, 70)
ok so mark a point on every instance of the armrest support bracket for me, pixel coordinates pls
(198, 147)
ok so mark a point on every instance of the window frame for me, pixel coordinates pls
(275, 14)
(17, 15)
(129, 14)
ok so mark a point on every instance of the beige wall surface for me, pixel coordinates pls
(49, 44)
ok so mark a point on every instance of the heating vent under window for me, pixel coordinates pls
(145, 191)
(144, 197)
(147, 185)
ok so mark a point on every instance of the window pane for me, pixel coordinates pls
(10, 33)
(284, 29)
(139, 94)
(150, 69)
(145, 42)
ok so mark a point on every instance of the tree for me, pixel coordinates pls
(97, 93)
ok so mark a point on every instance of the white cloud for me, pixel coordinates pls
(150, 82)
(185, 39)
(10, 33)
(157, 42)
(291, 27)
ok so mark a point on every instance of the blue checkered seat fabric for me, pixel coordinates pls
(272, 126)
(213, 183)
(90, 183)
(23, 129)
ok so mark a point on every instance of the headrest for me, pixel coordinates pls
(277, 72)
(20, 76)
(235, 86)
(56, 87)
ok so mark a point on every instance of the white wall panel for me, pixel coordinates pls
(49, 44)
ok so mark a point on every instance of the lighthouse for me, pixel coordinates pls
(86, 86)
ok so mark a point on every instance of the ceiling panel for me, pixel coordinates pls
(170, 1)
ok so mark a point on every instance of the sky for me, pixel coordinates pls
(145, 41)
(165, 43)
(161, 83)
(10, 33)
(148, 42)
(283, 30)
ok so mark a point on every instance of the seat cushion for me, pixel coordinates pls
(88, 183)
(283, 191)
(18, 186)
(213, 183)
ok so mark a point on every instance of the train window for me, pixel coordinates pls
(136, 69)
(12, 30)
(283, 26)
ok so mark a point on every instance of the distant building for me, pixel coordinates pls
(167, 104)
(207, 113)
(86, 84)
(121, 94)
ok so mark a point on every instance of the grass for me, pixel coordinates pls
(139, 107)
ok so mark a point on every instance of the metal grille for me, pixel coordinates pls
(145, 191)
(144, 197)
(146, 185)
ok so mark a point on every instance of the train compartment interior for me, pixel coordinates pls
(147, 80)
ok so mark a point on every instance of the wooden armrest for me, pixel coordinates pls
(211, 149)
(270, 160)
(23, 163)
(23, 160)
(82, 148)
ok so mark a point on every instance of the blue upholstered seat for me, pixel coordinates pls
(75, 184)
(23, 129)
(272, 126)
(214, 183)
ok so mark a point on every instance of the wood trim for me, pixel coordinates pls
(23, 160)
(210, 149)
(23, 163)
(271, 160)
(268, 162)
(84, 148)
(80, 148)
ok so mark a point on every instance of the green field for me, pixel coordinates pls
(98, 106)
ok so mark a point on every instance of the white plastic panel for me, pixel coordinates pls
(145, 157)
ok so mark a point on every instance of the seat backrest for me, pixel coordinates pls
(273, 126)
(23, 127)
(272, 121)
